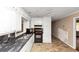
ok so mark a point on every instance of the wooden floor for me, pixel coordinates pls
(55, 46)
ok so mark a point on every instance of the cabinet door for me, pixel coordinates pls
(28, 46)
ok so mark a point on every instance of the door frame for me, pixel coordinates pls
(74, 31)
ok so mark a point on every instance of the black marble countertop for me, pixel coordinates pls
(17, 46)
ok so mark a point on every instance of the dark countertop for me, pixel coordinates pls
(17, 46)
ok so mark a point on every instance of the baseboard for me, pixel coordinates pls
(64, 42)
(68, 44)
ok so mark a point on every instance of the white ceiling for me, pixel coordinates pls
(54, 12)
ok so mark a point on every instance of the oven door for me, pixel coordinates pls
(38, 38)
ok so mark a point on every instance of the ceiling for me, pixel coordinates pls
(54, 12)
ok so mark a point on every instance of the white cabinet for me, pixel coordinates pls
(28, 46)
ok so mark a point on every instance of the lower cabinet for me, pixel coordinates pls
(28, 46)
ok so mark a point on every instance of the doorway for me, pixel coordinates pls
(76, 33)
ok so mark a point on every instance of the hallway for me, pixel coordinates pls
(56, 46)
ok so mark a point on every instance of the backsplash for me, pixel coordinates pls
(3, 38)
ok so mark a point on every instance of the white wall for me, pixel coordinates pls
(62, 35)
(47, 29)
(27, 18)
(10, 19)
(46, 23)
(36, 21)
(7, 20)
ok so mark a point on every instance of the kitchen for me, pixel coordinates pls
(20, 28)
